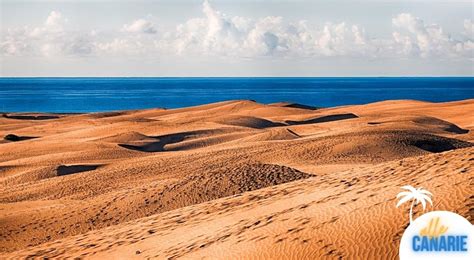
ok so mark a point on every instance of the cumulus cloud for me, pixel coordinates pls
(219, 35)
(427, 40)
(54, 24)
(469, 28)
(49, 39)
(55, 21)
(140, 26)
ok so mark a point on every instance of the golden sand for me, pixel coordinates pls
(230, 179)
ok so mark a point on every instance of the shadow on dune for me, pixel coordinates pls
(162, 140)
(444, 125)
(108, 114)
(31, 117)
(431, 124)
(323, 119)
(152, 147)
(293, 105)
(71, 169)
(4, 168)
(16, 138)
(456, 129)
(433, 143)
(300, 106)
(437, 146)
(248, 121)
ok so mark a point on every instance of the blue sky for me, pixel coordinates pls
(236, 38)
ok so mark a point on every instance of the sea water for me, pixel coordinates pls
(73, 95)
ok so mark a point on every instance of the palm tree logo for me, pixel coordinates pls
(416, 196)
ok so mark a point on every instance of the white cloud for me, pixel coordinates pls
(54, 24)
(140, 26)
(124, 46)
(428, 40)
(469, 28)
(55, 21)
(12, 46)
(49, 39)
(219, 35)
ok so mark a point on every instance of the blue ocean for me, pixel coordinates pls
(74, 95)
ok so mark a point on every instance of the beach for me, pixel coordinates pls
(227, 180)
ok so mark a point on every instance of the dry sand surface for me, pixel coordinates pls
(229, 180)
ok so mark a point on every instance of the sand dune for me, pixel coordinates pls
(228, 180)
